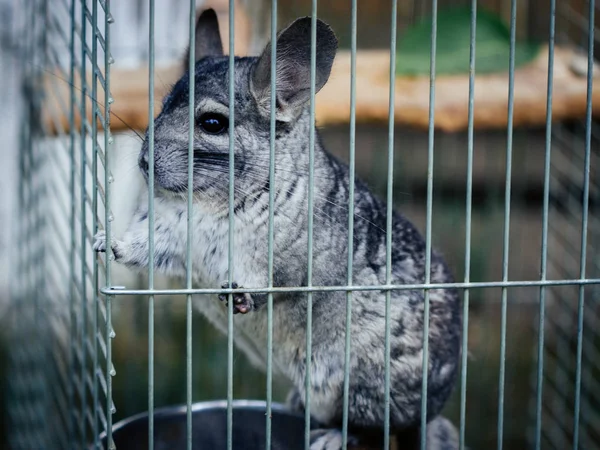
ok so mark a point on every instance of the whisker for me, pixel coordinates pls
(299, 172)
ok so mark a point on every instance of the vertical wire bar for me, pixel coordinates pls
(72, 276)
(430, 154)
(109, 334)
(506, 243)
(589, 351)
(36, 206)
(352, 157)
(151, 226)
(25, 198)
(231, 224)
(188, 259)
(311, 186)
(18, 287)
(584, 223)
(544, 255)
(468, 216)
(43, 282)
(17, 421)
(82, 205)
(272, 142)
(388, 227)
(94, 101)
(26, 174)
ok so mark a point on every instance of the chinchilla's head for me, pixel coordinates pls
(252, 93)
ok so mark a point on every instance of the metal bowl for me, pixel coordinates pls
(209, 428)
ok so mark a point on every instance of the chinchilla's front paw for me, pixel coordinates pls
(100, 244)
(242, 303)
(329, 439)
(100, 241)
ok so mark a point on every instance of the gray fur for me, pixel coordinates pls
(207, 39)
(441, 435)
(210, 246)
(293, 69)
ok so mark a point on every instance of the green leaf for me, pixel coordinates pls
(492, 45)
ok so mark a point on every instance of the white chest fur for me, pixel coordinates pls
(210, 268)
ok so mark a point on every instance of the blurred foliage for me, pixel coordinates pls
(492, 45)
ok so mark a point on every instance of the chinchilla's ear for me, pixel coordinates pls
(293, 68)
(207, 39)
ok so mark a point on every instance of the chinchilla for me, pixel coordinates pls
(210, 216)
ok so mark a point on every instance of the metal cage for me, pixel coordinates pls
(65, 305)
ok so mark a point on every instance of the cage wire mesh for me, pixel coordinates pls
(571, 340)
(59, 324)
(59, 390)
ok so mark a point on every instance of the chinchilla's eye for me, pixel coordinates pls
(213, 123)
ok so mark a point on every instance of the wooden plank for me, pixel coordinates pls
(129, 89)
